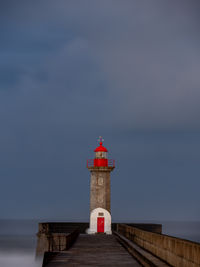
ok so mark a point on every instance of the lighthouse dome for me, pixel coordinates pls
(101, 148)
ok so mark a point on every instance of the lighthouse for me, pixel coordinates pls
(100, 168)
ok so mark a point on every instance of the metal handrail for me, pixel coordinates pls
(90, 163)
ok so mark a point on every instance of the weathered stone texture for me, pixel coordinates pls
(175, 251)
(55, 237)
(100, 190)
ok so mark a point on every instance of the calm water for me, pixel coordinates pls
(18, 240)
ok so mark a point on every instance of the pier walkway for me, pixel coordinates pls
(92, 250)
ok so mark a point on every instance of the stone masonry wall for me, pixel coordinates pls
(175, 251)
(100, 190)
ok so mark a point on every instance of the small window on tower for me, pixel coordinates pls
(100, 181)
(104, 155)
(101, 214)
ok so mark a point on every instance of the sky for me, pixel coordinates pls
(73, 70)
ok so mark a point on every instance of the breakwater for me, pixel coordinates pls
(174, 251)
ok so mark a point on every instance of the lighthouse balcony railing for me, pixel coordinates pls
(91, 163)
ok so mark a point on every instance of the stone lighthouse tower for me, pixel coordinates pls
(100, 168)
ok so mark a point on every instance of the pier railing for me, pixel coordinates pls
(175, 251)
(109, 163)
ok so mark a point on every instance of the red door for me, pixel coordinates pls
(100, 224)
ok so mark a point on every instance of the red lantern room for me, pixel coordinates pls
(101, 157)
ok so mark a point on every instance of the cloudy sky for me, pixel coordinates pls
(73, 70)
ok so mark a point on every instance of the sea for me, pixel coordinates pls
(18, 239)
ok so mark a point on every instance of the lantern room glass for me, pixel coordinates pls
(101, 155)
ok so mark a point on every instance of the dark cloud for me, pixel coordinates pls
(73, 70)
